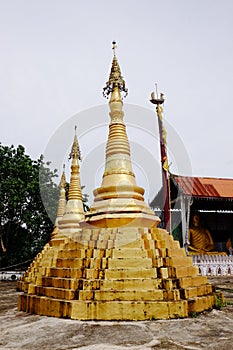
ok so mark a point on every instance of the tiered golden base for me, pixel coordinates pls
(116, 274)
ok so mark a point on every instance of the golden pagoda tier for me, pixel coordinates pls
(115, 265)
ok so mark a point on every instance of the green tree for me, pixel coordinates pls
(85, 200)
(25, 226)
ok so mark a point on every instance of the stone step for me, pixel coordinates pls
(122, 284)
(67, 293)
(56, 293)
(185, 282)
(106, 295)
(128, 310)
(57, 282)
(103, 273)
(105, 284)
(129, 263)
(184, 271)
(192, 292)
(129, 253)
(44, 306)
(201, 303)
(81, 262)
(175, 252)
(178, 261)
(76, 253)
(119, 273)
(66, 272)
(126, 263)
(94, 252)
(132, 295)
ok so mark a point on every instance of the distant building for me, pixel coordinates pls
(212, 198)
(11, 275)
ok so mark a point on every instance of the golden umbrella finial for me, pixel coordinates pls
(115, 77)
(75, 150)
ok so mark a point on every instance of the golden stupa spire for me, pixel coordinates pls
(74, 212)
(61, 202)
(119, 201)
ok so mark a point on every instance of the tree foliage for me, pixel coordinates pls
(25, 226)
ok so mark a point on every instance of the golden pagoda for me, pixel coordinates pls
(114, 264)
(74, 212)
(119, 201)
(61, 208)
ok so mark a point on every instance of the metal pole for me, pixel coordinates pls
(164, 161)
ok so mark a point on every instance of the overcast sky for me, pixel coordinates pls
(55, 57)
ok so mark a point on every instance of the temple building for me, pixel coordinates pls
(113, 262)
(210, 198)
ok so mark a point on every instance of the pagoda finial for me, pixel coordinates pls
(115, 78)
(75, 150)
(114, 47)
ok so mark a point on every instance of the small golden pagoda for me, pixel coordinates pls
(114, 264)
(70, 212)
(61, 208)
(74, 212)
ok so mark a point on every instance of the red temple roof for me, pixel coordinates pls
(205, 186)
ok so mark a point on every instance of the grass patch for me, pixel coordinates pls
(219, 303)
(228, 290)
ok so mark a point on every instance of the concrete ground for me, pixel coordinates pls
(210, 330)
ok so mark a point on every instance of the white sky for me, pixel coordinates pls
(55, 57)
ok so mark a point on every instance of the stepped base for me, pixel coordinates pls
(115, 274)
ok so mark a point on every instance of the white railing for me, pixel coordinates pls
(214, 265)
(10, 275)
